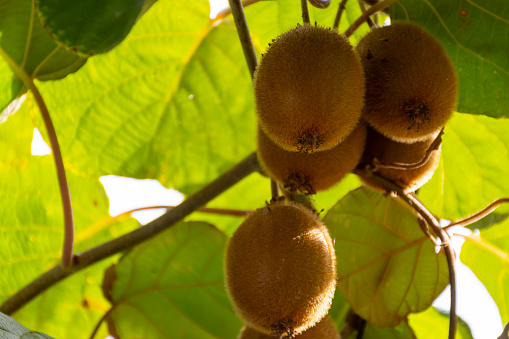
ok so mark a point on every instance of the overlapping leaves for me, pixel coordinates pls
(32, 232)
(172, 286)
(25, 41)
(387, 267)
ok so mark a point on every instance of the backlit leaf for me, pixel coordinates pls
(172, 287)
(487, 256)
(474, 169)
(387, 267)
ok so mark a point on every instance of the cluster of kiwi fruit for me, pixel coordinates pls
(324, 107)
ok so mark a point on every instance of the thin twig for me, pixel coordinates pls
(305, 12)
(369, 21)
(244, 36)
(222, 183)
(479, 215)
(341, 8)
(320, 3)
(372, 10)
(274, 188)
(57, 156)
(435, 145)
(223, 211)
(227, 11)
(433, 222)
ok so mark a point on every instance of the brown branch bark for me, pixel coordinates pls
(244, 36)
(223, 211)
(93, 255)
(305, 11)
(337, 20)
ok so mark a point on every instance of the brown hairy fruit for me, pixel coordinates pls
(280, 269)
(388, 151)
(311, 172)
(411, 85)
(309, 89)
(323, 330)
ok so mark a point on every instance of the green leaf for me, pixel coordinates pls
(32, 232)
(387, 267)
(402, 331)
(26, 42)
(433, 324)
(81, 300)
(172, 287)
(474, 169)
(11, 329)
(89, 27)
(269, 19)
(181, 96)
(487, 256)
(470, 33)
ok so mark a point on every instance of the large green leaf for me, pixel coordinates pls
(31, 231)
(487, 256)
(471, 33)
(433, 324)
(27, 43)
(474, 169)
(89, 27)
(172, 287)
(11, 329)
(387, 267)
(175, 94)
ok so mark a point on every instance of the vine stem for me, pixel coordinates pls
(244, 36)
(305, 11)
(65, 193)
(227, 11)
(411, 200)
(342, 6)
(223, 211)
(479, 215)
(93, 255)
(372, 10)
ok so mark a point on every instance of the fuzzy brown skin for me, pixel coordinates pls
(312, 172)
(309, 89)
(411, 85)
(388, 151)
(323, 330)
(280, 269)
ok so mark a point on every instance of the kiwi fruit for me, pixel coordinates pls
(411, 85)
(311, 172)
(309, 89)
(280, 269)
(323, 330)
(388, 151)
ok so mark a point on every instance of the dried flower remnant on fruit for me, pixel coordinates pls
(411, 85)
(323, 330)
(280, 269)
(308, 142)
(309, 89)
